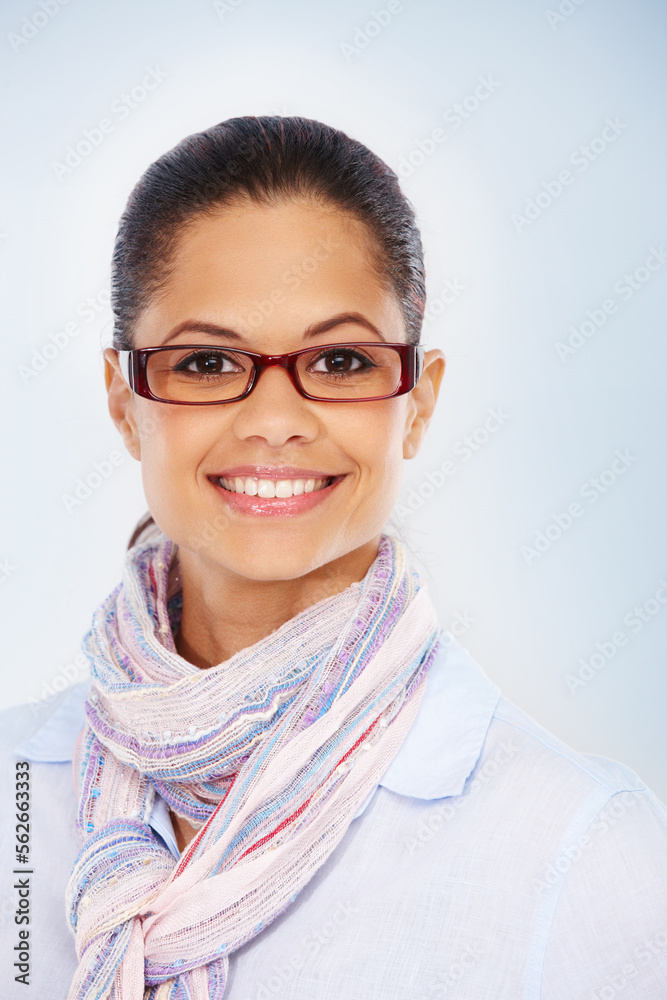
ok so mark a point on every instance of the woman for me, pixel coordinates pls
(288, 779)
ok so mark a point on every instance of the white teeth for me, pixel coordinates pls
(284, 488)
(269, 488)
(266, 488)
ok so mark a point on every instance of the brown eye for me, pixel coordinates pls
(339, 362)
(203, 363)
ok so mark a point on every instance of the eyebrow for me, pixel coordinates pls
(197, 326)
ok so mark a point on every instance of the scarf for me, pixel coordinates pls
(269, 755)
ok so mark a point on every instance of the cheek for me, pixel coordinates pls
(173, 441)
(375, 439)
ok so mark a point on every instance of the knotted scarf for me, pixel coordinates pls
(269, 755)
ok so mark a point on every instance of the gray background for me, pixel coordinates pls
(505, 291)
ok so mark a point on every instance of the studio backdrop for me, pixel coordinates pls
(530, 137)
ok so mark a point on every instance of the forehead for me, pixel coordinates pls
(278, 268)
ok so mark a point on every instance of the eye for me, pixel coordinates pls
(338, 361)
(206, 363)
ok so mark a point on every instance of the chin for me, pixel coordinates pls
(278, 558)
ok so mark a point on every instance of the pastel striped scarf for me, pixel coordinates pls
(270, 754)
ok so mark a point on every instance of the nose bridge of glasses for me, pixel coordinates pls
(285, 361)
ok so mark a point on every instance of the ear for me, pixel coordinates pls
(422, 402)
(121, 403)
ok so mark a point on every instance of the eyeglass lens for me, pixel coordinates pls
(214, 374)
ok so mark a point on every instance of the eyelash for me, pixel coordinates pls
(182, 366)
(367, 363)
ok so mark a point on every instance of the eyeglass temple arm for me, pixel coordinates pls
(420, 363)
(124, 364)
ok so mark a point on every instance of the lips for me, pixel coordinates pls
(247, 492)
(274, 472)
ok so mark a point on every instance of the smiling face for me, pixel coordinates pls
(276, 278)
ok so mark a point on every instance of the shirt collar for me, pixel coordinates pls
(445, 740)
(434, 760)
(53, 742)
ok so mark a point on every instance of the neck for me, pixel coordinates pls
(224, 612)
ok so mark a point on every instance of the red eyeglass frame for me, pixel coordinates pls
(134, 363)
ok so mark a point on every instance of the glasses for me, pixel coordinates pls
(202, 375)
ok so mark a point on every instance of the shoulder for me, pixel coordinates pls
(20, 722)
(567, 851)
(548, 764)
(38, 740)
(544, 866)
(598, 879)
(497, 743)
(468, 737)
(36, 744)
(545, 790)
(44, 718)
(491, 779)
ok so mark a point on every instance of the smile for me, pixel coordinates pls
(269, 488)
(259, 496)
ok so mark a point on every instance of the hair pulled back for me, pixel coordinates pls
(267, 158)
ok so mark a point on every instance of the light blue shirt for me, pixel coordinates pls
(492, 861)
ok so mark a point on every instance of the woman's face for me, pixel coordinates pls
(269, 274)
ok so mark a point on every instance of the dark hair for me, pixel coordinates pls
(267, 159)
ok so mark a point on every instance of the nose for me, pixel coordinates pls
(275, 410)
